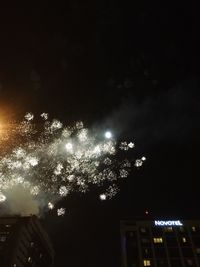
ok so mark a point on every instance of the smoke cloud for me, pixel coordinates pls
(21, 202)
(168, 115)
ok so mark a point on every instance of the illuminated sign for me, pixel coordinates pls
(168, 223)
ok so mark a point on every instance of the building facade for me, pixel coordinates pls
(160, 243)
(24, 243)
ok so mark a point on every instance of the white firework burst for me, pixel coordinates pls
(51, 160)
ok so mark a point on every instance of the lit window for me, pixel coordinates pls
(184, 240)
(193, 229)
(158, 240)
(169, 229)
(147, 262)
(14, 265)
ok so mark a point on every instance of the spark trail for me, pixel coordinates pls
(49, 161)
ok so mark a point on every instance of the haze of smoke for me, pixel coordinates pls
(21, 202)
(168, 115)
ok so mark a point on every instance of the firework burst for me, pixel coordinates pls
(50, 161)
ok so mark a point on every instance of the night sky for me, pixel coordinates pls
(134, 68)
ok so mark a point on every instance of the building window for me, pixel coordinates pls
(168, 229)
(158, 240)
(193, 229)
(147, 262)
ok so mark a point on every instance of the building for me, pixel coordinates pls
(160, 243)
(23, 242)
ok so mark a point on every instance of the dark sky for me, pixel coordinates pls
(134, 67)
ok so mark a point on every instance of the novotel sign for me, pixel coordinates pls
(168, 223)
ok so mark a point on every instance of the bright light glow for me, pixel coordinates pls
(102, 197)
(108, 135)
(158, 240)
(50, 205)
(2, 198)
(61, 211)
(147, 262)
(131, 145)
(143, 158)
(69, 147)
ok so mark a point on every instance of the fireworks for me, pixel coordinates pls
(102, 197)
(2, 198)
(108, 135)
(139, 162)
(51, 161)
(61, 211)
(50, 205)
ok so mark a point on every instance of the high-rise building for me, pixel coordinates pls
(24, 243)
(160, 243)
